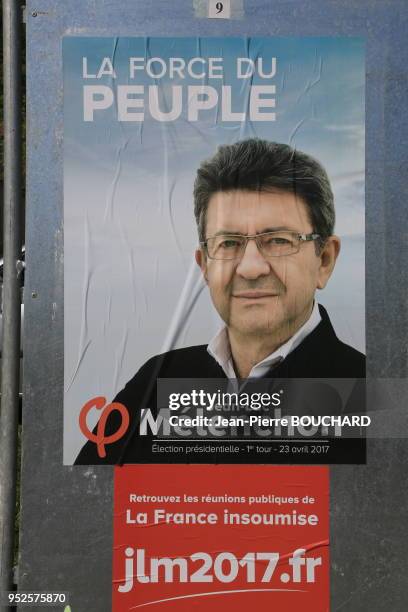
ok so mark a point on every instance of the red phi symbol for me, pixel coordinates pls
(99, 438)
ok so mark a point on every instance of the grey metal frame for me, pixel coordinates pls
(10, 362)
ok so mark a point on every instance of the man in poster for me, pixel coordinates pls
(265, 218)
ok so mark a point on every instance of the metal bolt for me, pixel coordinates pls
(34, 14)
(20, 266)
(34, 294)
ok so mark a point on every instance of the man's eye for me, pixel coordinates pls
(277, 240)
(229, 244)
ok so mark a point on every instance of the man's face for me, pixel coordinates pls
(257, 294)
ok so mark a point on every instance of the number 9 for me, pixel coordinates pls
(219, 6)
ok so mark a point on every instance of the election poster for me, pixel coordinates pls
(213, 249)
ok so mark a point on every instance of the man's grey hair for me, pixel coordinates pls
(260, 165)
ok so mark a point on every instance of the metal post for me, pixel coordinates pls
(11, 289)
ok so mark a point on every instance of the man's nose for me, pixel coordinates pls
(252, 264)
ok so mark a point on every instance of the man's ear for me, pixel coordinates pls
(201, 260)
(328, 256)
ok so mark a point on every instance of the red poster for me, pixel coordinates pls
(228, 537)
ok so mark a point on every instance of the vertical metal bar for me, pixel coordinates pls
(11, 290)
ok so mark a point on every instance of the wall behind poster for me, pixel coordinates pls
(132, 288)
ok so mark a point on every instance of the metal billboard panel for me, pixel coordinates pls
(66, 521)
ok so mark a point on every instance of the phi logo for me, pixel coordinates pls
(99, 437)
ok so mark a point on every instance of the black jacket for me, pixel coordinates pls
(320, 355)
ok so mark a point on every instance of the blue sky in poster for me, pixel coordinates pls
(131, 287)
(319, 95)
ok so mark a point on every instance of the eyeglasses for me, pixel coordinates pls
(270, 244)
